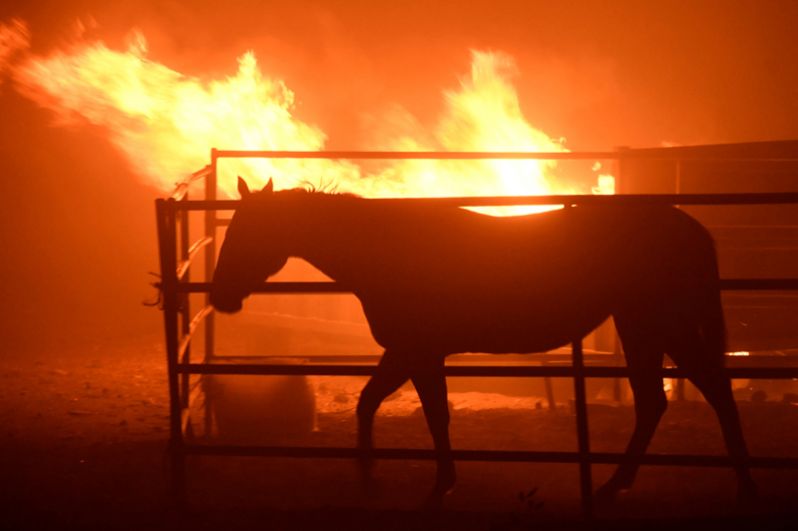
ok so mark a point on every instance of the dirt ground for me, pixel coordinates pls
(84, 439)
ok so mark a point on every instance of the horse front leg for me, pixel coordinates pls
(650, 404)
(430, 383)
(644, 361)
(389, 375)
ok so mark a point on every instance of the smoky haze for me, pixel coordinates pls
(78, 234)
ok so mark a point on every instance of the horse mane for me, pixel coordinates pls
(327, 188)
(308, 188)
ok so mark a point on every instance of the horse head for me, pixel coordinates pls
(253, 249)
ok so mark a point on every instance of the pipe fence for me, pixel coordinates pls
(178, 253)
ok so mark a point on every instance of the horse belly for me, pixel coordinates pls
(496, 326)
(535, 330)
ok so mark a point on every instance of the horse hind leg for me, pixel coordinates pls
(644, 355)
(704, 366)
(430, 383)
(390, 374)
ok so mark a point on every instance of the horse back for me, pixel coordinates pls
(456, 281)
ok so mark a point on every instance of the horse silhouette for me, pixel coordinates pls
(437, 280)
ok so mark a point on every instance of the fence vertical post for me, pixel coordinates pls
(210, 251)
(185, 308)
(583, 436)
(621, 187)
(167, 238)
(678, 383)
(210, 264)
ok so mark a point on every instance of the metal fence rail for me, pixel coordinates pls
(177, 254)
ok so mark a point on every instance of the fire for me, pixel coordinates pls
(165, 123)
(14, 37)
(483, 115)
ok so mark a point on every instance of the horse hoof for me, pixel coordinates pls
(444, 486)
(434, 502)
(747, 492)
(365, 465)
(605, 496)
(432, 505)
(371, 489)
(369, 485)
(608, 493)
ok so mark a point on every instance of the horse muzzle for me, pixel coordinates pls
(226, 304)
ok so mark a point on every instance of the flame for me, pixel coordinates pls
(483, 115)
(166, 122)
(606, 182)
(14, 38)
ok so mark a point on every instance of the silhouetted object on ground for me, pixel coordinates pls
(437, 280)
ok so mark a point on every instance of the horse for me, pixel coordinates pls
(437, 280)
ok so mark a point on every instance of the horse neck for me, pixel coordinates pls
(330, 233)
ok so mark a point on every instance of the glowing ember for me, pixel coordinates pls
(166, 122)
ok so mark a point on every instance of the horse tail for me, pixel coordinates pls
(713, 325)
(711, 320)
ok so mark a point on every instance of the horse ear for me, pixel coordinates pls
(269, 188)
(243, 189)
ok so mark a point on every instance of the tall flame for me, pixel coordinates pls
(165, 123)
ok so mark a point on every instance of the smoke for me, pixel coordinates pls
(14, 39)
